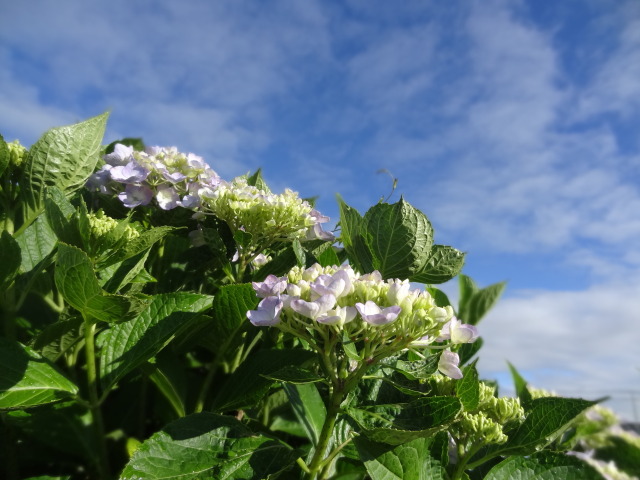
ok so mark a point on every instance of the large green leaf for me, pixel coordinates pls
(546, 419)
(520, 385)
(206, 446)
(10, 257)
(400, 238)
(126, 345)
(543, 466)
(77, 282)
(248, 384)
(309, 408)
(353, 236)
(441, 265)
(400, 423)
(141, 243)
(63, 157)
(411, 461)
(27, 379)
(230, 307)
(36, 243)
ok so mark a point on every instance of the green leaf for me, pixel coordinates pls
(439, 297)
(36, 243)
(140, 244)
(411, 461)
(206, 446)
(230, 307)
(257, 181)
(467, 288)
(352, 236)
(400, 423)
(27, 379)
(168, 389)
(543, 466)
(59, 211)
(308, 407)
(127, 345)
(10, 258)
(328, 257)
(247, 385)
(400, 238)
(294, 374)
(482, 301)
(468, 388)
(126, 272)
(442, 264)
(58, 337)
(5, 157)
(466, 351)
(63, 157)
(546, 419)
(75, 278)
(520, 385)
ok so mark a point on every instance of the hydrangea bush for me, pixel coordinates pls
(159, 321)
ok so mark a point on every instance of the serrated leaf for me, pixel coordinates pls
(400, 238)
(27, 379)
(467, 288)
(547, 418)
(36, 243)
(205, 446)
(230, 307)
(247, 385)
(411, 461)
(328, 257)
(10, 258)
(309, 408)
(400, 423)
(468, 388)
(441, 265)
(482, 301)
(139, 244)
(354, 238)
(127, 345)
(543, 466)
(75, 278)
(63, 157)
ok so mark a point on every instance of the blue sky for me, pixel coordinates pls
(512, 124)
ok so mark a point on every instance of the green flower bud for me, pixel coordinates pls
(101, 225)
(17, 153)
(481, 427)
(505, 409)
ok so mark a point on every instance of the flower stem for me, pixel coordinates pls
(317, 465)
(102, 462)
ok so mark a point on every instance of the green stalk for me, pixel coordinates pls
(102, 463)
(317, 465)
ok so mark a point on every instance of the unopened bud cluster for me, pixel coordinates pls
(17, 153)
(101, 225)
(377, 318)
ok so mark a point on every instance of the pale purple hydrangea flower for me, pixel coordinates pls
(167, 198)
(448, 364)
(458, 332)
(272, 285)
(374, 315)
(314, 309)
(130, 173)
(121, 155)
(135, 195)
(338, 316)
(268, 312)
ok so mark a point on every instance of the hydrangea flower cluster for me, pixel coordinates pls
(267, 216)
(334, 306)
(171, 177)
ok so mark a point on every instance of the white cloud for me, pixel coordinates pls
(570, 342)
